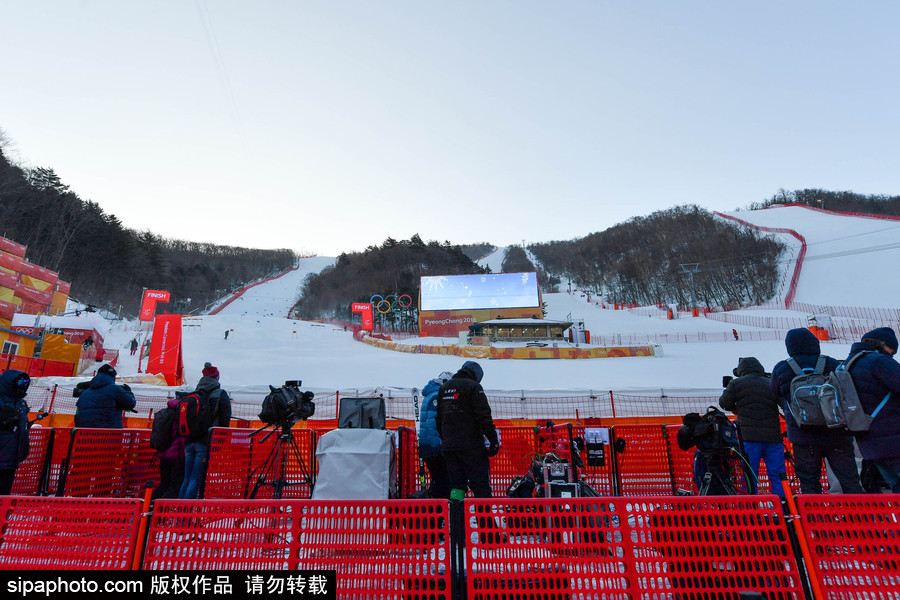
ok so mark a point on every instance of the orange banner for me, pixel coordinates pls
(12, 247)
(165, 349)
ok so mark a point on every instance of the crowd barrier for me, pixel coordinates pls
(636, 460)
(659, 547)
(68, 533)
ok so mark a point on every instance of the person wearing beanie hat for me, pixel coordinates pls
(876, 376)
(196, 448)
(813, 445)
(101, 405)
(464, 422)
(210, 371)
(430, 450)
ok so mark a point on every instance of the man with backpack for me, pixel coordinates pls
(876, 376)
(207, 406)
(813, 443)
(751, 398)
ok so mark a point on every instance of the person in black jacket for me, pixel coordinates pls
(101, 404)
(13, 425)
(751, 398)
(464, 422)
(196, 448)
(812, 445)
(876, 376)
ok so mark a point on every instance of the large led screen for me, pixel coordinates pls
(467, 292)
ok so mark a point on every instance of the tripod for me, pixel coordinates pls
(273, 470)
(719, 476)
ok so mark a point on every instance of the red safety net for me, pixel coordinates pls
(239, 463)
(619, 548)
(30, 473)
(518, 448)
(643, 465)
(408, 468)
(854, 543)
(68, 533)
(682, 462)
(109, 463)
(379, 548)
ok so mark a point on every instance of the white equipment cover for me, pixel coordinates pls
(355, 464)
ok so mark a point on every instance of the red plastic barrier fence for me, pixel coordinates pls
(237, 464)
(660, 547)
(30, 474)
(67, 533)
(518, 446)
(854, 542)
(643, 465)
(379, 548)
(108, 463)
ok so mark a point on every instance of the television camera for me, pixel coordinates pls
(286, 405)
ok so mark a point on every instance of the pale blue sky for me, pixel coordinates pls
(329, 126)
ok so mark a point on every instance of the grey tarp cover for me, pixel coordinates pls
(355, 464)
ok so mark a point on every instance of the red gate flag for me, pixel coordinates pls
(364, 309)
(148, 304)
(165, 349)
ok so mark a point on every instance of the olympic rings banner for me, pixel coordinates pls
(385, 306)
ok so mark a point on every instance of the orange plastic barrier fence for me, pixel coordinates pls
(379, 548)
(236, 464)
(854, 542)
(659, 547)
(67, 533)
(109, 463)
(31, 472)
(643, 465)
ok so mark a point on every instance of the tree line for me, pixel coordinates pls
(646, 260)
(108, 264)
(846, 202)
(389, 270)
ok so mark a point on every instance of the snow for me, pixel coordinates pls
(263, 347)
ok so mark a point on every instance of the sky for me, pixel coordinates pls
(264, 347)
(505, 122)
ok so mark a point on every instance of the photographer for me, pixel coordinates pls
(750, 397)
(13, 426)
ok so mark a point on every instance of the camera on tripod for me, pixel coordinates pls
(710, 432)
(286, 405)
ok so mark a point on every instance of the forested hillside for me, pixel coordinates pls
(872, 204)
(108, 264)
(646, 260)
(390, 270)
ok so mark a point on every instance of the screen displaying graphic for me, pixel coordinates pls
(466, 292)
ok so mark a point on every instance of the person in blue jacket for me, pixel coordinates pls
(876, 376)
(430, 442)
(13, 426)
(101, 405)
(814, 444)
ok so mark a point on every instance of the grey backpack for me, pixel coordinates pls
(843, 408)
(807, 390)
